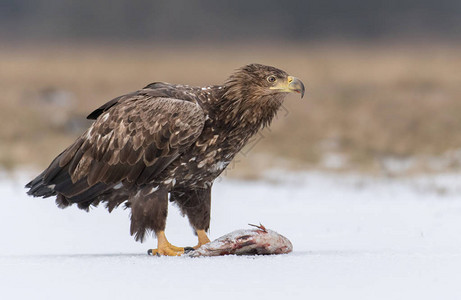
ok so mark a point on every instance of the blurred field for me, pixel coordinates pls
(392, 109)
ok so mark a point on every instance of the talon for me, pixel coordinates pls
(164, 247)
(166, 251)
(188, 249)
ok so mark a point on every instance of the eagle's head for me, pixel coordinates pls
(256, 81)
(254, 93)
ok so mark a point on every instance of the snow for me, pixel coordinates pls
(354, 238)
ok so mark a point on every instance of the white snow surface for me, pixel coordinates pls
(353, 237)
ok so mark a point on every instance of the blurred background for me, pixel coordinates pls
(363, 174)
(383, 78)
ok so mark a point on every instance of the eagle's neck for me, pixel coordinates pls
(244, 111)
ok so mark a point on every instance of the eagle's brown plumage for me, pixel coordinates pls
(164, 139)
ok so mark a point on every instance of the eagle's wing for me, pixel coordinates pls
(131, 142)
(156, 89)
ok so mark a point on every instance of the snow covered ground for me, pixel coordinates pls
(353, 237)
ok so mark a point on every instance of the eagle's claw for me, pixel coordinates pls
(188, 249)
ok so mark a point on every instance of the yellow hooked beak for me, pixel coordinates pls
(292, 84)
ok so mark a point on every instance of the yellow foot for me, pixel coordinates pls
(164, 247)
(167, 251)
(202, 238)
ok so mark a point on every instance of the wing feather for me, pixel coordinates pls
(132, 141)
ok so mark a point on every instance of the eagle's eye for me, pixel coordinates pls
(271, 79)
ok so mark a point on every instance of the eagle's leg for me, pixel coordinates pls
(149, 210)
(196, 204)
(202, 238)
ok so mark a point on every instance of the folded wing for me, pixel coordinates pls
(132, 142)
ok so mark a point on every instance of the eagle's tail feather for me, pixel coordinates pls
(56, 181)
(38, 188)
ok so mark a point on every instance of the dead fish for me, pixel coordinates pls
(259, 241)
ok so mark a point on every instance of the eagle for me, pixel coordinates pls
(165, 142)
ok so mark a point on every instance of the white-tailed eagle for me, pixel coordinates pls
(165, 140)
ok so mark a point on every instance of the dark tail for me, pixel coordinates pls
(38, 188)
(56, 181)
